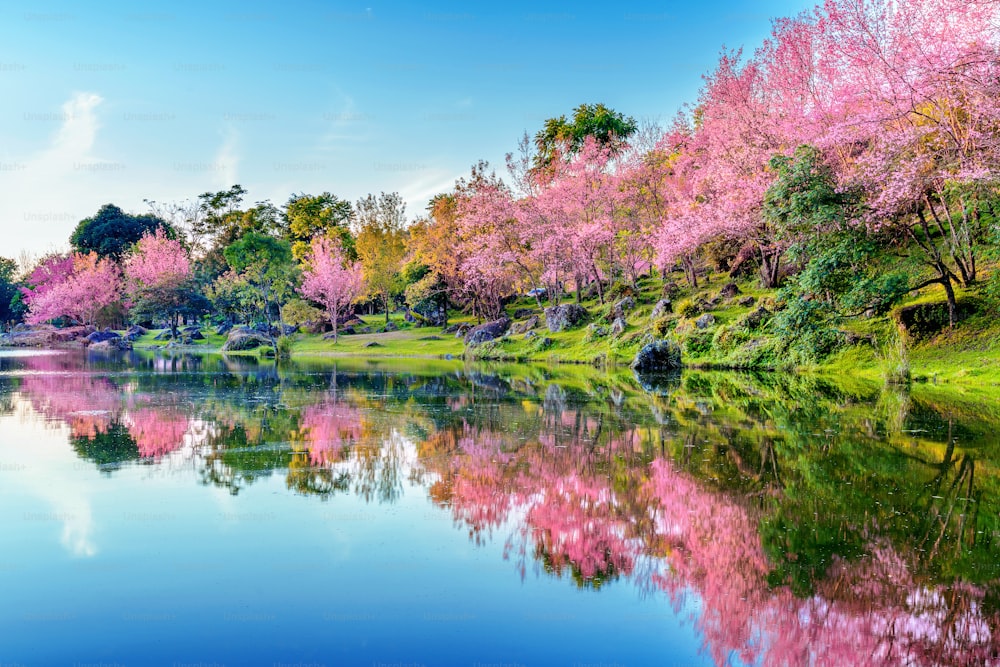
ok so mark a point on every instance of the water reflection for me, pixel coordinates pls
(810, 523)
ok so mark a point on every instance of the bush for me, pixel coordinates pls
(618, 291)
(730, 337)
(285, 347)
(698, 343)
(688, 308)
(664, 326)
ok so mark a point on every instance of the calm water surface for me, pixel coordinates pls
(180, 511)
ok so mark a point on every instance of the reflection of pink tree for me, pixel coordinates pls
(327, 428)
(157, 431)
(573, 509)
(87, 404)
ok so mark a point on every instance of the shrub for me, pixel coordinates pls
(663, 326)
(698, 343)
(688, 308)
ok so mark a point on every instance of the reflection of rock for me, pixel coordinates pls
(658, 356)
(487, 332)
(662, 383)
(494, 382)
(555, 398)
(566, 316)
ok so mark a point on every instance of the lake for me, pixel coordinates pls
(183, 510)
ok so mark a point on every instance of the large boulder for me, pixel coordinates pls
(487, 332)
(117, 343)
(658, 356)
(618, 326)
(565, 316)
(242, 338)
(101, 336)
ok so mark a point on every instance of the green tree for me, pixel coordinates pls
(112, 232)
(381, 244)
(11, 306)
(306, 216)
(609, 127)
(266, 264)
(841, 273)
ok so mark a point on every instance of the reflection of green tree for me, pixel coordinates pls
(109, 448)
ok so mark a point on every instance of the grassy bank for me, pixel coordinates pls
(733, 333)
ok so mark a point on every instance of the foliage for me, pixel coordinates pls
(381, 244)
(308, 216)
(111, 232)
(265, 263)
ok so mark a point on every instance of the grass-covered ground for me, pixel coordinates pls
(966, 357)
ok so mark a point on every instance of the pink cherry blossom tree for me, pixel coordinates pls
(77, 287)
(159, 279)
(330, 279)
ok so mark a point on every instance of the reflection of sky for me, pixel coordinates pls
(43, 477)
(270, 576)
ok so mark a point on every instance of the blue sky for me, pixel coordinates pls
(128, 101)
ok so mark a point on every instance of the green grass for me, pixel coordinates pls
(964, 361)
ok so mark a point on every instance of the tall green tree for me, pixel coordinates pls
(11, 306)
(609, 127)
(111, 232)
(381, 243)
(307, 216)
(266, 264)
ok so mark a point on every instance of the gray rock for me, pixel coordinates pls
(595, 331)
(487, 332)
(522, 313)
(101, 336)
(729, 290)
(565, 316)
(756, 318)
(389, 326)
(747, 301)
(663, 307)
(620, 309)
(705, 321)
(117, 343)
(527, 325)
(661, 355)
(373, 343)
(462, 329)
(224, 328)
(618, 326)
(241, 339)
(530, 335)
